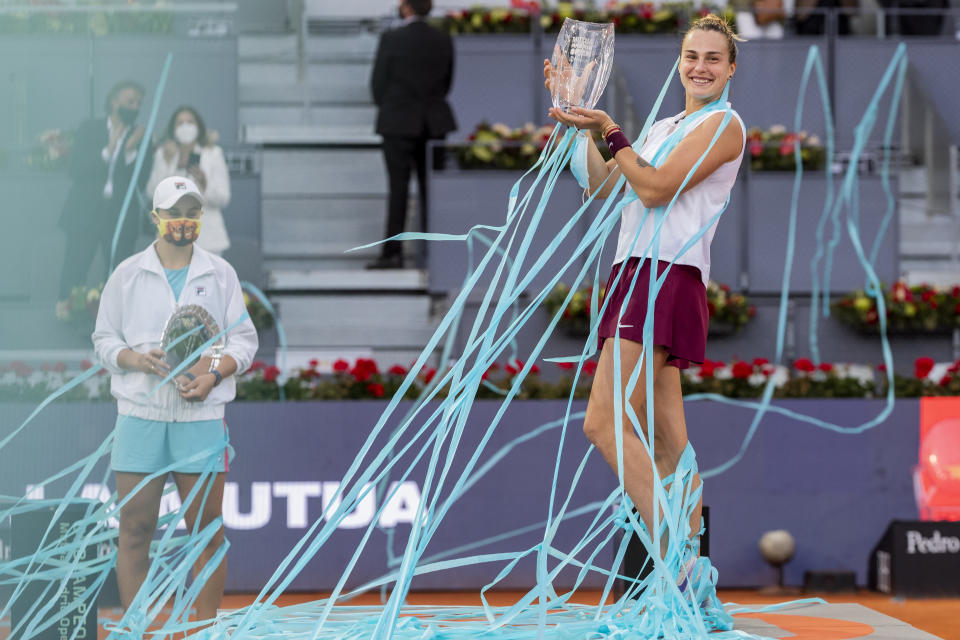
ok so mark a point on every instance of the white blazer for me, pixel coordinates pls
(136, 303)
(213, 230)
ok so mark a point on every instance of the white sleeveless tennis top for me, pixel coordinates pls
(691, 212)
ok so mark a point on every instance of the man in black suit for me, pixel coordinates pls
(101, 164)
(411, 78)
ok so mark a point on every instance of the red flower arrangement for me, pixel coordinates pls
(22, 382)
(923, 382)
(499, 146)
(729, 311)
(918, 308)
(827, 380)
(270, 374)
(922, 367)
(533, 386)
(80, 308)
(364, 379)
(481, 19)
(743, 379)
(773, 149)
(629, 16)
(739, 379)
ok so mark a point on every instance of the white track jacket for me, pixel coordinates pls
(136, 303)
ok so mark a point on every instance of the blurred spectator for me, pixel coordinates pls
(412, 74)
(757, 19)
(189, 149)
(810, 22)
(914, 24)
(101, 165)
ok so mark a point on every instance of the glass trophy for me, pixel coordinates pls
(582, 59)
(196, 321)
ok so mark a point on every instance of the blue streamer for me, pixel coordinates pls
(166, 579)
(435, 434)
(281, 334)
(141, 153)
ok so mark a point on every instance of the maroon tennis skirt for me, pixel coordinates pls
(680, 312)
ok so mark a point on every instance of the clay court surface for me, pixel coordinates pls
(938, 617)
(864, 615)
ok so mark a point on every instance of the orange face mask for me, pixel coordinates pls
(179, 231)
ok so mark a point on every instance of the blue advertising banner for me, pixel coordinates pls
(835, 493)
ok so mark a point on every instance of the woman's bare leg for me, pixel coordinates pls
(599, 424)
(670, 436)
(138, 522)
(211, 594)
(671, 433)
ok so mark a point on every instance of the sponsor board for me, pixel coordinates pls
(916, 558)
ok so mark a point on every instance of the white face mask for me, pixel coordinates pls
(186, 133)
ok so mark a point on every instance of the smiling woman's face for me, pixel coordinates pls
(705, 64)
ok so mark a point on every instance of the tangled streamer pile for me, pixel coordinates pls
(432, 435)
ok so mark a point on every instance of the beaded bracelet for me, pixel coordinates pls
(607, 132)
(609, 128)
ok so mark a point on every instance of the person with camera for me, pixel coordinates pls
(189, 149)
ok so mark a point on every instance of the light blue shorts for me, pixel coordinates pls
(147, 446)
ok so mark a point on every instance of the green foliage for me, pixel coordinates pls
(51, 150)
(499, 146)
(80, 308)
(96, 23)
(727, 309)
(627, 17)
(909, 309)
(259, 315)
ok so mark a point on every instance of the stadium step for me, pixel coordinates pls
(323, 190)
(345, 320)
(305, 134)
(26, 325)
(290, 226)
(347, 280)
(286, 115)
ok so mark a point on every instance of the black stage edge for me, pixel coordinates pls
(635, 559)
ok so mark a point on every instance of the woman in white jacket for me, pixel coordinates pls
(189, 150)
(170, 427)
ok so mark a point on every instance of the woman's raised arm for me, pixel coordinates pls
(656, 186)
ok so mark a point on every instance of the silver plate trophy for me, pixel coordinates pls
(184, 320)
(582, 59)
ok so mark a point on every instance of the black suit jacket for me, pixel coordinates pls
(411, 78)
(85, 205)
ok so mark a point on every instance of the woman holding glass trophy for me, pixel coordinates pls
(656, 175)
(158, 307)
